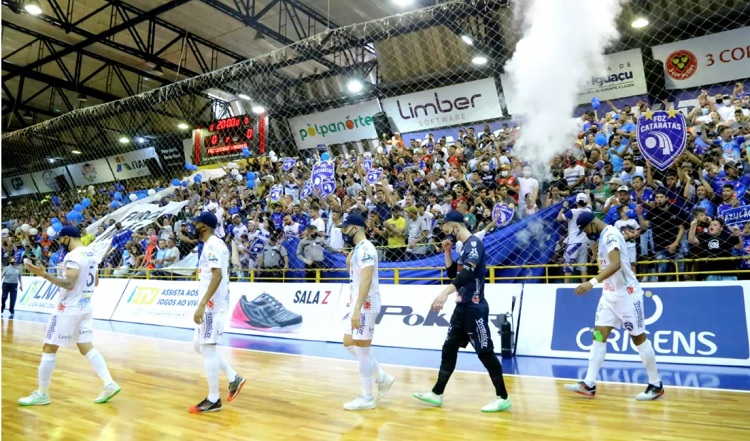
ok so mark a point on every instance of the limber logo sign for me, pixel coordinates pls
(336, 126)
(685, 322)
(457, 104)
(428, 317)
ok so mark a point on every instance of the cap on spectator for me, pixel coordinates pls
(69, 231)
(581, 197)
(353, 220)
(584, 219)
(623, 188)
(207, 218)
(661, 191)
(412, 209)
(615, 181)
(729, 164)
(453, 216)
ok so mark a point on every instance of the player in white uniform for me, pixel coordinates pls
(621, 305)
(364, 304)
(72, 322)
(213, 283)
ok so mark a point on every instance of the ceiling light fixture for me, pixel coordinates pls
(183, 126)
(467, 39)
(33, 7)
(243, 96)
(639, 22)
(258, 109)
(354, 86)
(75, 152)
(124, 140)
(479, 60)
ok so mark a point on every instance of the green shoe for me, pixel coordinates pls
(35, 399)
(429, 397)
(498, 405)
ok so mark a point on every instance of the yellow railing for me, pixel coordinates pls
(398, 275)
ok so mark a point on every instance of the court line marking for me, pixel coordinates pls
(320, 357)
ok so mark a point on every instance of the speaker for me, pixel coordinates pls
(153, 167)
(655, 83)
(62, 183)
(382, 125)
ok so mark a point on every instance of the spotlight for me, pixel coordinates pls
(258, 109)
(183, 126)
(467, 39)
(479, 60)
(75, 152)
(243, 96)
(140, 140)
(124, 140)
(639, 22)
(354, 86)
(33, 7)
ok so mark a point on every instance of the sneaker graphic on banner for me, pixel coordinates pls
(265, 313)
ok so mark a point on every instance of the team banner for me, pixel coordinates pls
(323, 177)
(134, 217)
(276, 192)
(446, 106)
(91, 172)
(336, 126)
(132, 164)
(19, 185)
(46, 181)
(289, 163)
(503, 213)
(307, 190)
(367, 164)
(40, 295)
(662, 137)
(705, 60)
(373, 175)
(737, 216)
(624, 77)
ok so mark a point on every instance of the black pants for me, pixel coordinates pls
(269, 275)
(470, 323)
(310, 272)
(12, 289)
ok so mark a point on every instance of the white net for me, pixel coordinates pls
(421, 113)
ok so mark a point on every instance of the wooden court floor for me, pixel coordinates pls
(299, 398)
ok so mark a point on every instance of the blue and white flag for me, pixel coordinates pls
(662, 137)
(323, 170)
(307, 190)
(289, 163)
(374, 175)
(276, 192)
(503, 213)
(367, 164)
(256, 247)
(327, 187)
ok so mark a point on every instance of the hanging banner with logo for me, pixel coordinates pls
(134, 217)
(19, 185)
(276, 192)
(662, 137)
(446, 106)
(46, 181)
(503, 213)
(373, 175)
(705, 60)
(91, 172)
(132, 164)
(289, 164)
(336, 126)
(307, 190)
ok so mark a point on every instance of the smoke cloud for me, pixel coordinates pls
(562, 47)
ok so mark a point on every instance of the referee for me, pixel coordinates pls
(470, 319)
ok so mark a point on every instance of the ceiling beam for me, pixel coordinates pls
(26, 72)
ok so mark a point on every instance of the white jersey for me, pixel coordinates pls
(623, 283)
(364, 255)
(214, 255)
(77, 300)
(575, 235)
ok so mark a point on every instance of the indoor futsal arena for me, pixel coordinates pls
(375, 220)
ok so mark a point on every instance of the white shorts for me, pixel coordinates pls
(576, 253)
(210, 331)
(366, 326)
(631, 253)
(69, 329)
(626, 312)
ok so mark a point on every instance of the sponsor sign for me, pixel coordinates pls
(134, 217)
(662, 137)
(131, 164)
(705, 60)
(172, 156)
(46, 181)
(159, 302)
(91, 172)
(446, 106)
(336, 126)
(40, 295)
(19, 185)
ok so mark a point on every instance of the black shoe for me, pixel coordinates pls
(235, 387)
(265, 313)
(206, 406)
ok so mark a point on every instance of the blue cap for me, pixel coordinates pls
(69, 231)
(353, 220)
(207, 218)
(584, 218)
(453, 216)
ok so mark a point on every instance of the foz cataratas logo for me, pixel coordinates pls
(357, 122)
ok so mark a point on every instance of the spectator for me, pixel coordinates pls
(630, 230)
(715, 242)
(418, 230)
(577, 244)
(310, 251)
(274, 260)
(667, 223)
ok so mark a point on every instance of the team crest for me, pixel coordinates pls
(662, 137)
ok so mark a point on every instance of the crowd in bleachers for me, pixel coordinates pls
(665, 215)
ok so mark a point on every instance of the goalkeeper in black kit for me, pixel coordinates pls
(470, 319)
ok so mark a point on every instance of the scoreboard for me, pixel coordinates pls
(228, 136)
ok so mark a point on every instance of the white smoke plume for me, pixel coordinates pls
(562, 47)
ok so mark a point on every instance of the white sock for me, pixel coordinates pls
(596, 359)
(365, 370)
(212, 364)
(100, 366)
(380, 373)
(648, 357)
(46, 367)
(228, 371)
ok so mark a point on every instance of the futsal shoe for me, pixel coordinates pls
(235, 387)
(108, 392)
(265, 313)
(360, 403)
(429, 397)
(581, 388)
(35, 399)
(652, 392)
(206, 406)
(498, 405)
(385, 385)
